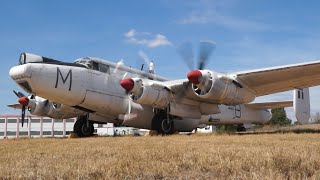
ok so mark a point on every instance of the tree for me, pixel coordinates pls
(316, 118)
(279, 117)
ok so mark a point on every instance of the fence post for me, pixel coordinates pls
(41, 126)
(5, 128)
(29, 127)
(52, 127)
(17, 132)
(64, 128)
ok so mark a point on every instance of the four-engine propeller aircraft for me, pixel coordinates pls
(98, 91)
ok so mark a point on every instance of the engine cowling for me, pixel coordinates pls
(38, 106)
(42, 107)
(60, 111)
(147, 92)
(219, 88)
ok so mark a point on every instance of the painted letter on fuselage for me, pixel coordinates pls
(64, 79)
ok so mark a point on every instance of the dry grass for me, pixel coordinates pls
(308, 128)
(275, 156)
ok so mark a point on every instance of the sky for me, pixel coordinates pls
(248, 35)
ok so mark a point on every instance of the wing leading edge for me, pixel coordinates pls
(282, 78)
(270, 105)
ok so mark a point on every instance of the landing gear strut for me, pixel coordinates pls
(162, 123)
(83, 127)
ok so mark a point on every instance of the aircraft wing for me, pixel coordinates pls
(270, 105)
(15, 106)
(282, 78)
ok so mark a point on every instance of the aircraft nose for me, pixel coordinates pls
(20, 72)
(22, 75)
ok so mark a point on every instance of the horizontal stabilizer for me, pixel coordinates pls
(270, 105)
(15, 106)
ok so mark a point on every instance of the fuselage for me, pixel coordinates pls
(92, 85)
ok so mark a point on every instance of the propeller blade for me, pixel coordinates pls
(129, 109)
(144, 57)
(205, 50)
(185, 50)
(16, 94)
(23, 114)
(19, 94)
(119, 63)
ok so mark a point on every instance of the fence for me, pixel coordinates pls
(34, 126)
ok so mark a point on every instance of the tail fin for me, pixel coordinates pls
(301, 105)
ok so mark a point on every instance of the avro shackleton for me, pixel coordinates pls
(98, 91)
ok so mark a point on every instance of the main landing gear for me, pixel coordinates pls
(83, 127)
(162, 123)
(241, 128)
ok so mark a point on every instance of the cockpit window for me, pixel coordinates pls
(95, 66)
(104, 68)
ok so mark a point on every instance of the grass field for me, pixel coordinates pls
(272, 156)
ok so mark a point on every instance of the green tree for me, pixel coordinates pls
(316, 118)
(279, 117)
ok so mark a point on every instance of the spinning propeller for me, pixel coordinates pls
(128, 85)
(186, 52)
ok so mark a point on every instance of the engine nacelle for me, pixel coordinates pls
(59, 111)
(219, 88)
(42, 107)
(38, 106)
(154, 95)
(147, 92)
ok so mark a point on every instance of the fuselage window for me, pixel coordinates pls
(298, 94)
(104, 68)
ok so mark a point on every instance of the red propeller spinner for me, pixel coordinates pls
(24, 101)
(127, 84)
(194, 76)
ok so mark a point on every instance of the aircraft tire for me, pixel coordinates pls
(241, 128)
(81, 128)
(162, 125)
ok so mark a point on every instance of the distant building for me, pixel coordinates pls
(207, 129)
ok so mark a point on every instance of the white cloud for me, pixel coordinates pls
(130, 33)
(227, 21)
(221, 13)
(146, 39)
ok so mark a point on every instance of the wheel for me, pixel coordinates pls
(241, 128)
(161, 124)
(82, 128)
